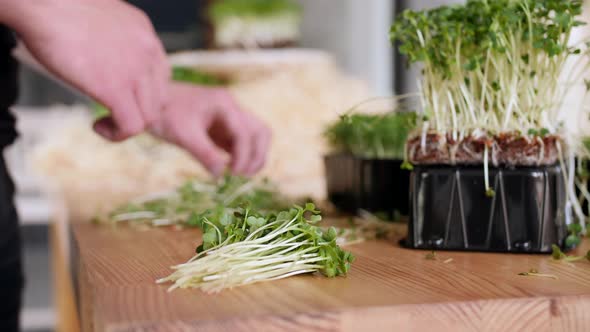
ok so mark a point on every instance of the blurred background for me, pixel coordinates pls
(320, 61)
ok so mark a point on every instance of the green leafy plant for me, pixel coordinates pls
(490, 65)
(492, 68)
(223, 9)
(380, 136)
(245, 247)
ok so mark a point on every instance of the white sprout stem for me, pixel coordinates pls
(486, 168)
(134, 216)
(570, 192)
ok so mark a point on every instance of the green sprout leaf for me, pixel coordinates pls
(572, 241)
(255, 222)
(407, 166)
(490, 192)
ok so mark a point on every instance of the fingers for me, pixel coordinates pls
(261, 145)
(240, 153)
(250, 143)
(137, 110)
(125, 120)
(202, 147)
(147, 100)
(250, 139)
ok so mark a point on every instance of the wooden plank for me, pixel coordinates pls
(389, 288)
(67, 315)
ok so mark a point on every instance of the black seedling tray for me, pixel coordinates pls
(376, 185)
(451, 211)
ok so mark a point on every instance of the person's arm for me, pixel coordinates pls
(109, 50)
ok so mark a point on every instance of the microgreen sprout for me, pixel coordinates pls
(431, 256)
(559, 255)
(535, 273)
(246, 247)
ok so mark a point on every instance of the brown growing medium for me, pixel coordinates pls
(505, 149)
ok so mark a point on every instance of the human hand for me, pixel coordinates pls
(206, 121)
(107, 49)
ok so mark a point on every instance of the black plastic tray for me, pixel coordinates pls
(376, 185)
(450, 209)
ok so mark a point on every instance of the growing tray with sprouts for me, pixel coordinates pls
(364, 168)
(492, 158)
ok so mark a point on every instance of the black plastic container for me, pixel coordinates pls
(450, 209)
(376, 185)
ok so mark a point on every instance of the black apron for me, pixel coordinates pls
(11, 279)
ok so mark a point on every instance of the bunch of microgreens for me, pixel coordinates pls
(187, 203)
(381, 136)
(245, 247)
(490, 66)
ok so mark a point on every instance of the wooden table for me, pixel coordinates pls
(388, 289)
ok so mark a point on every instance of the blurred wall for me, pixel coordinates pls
(356, 32)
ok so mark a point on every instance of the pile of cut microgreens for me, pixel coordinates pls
(185, 204)
(491, 67)
(245, 247)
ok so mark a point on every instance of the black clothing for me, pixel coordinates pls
(11, 277)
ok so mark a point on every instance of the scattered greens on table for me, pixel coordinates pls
(192, 200)
(245, 247)
(224, 9)
(380, 136)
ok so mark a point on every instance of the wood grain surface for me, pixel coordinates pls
(389, 289)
